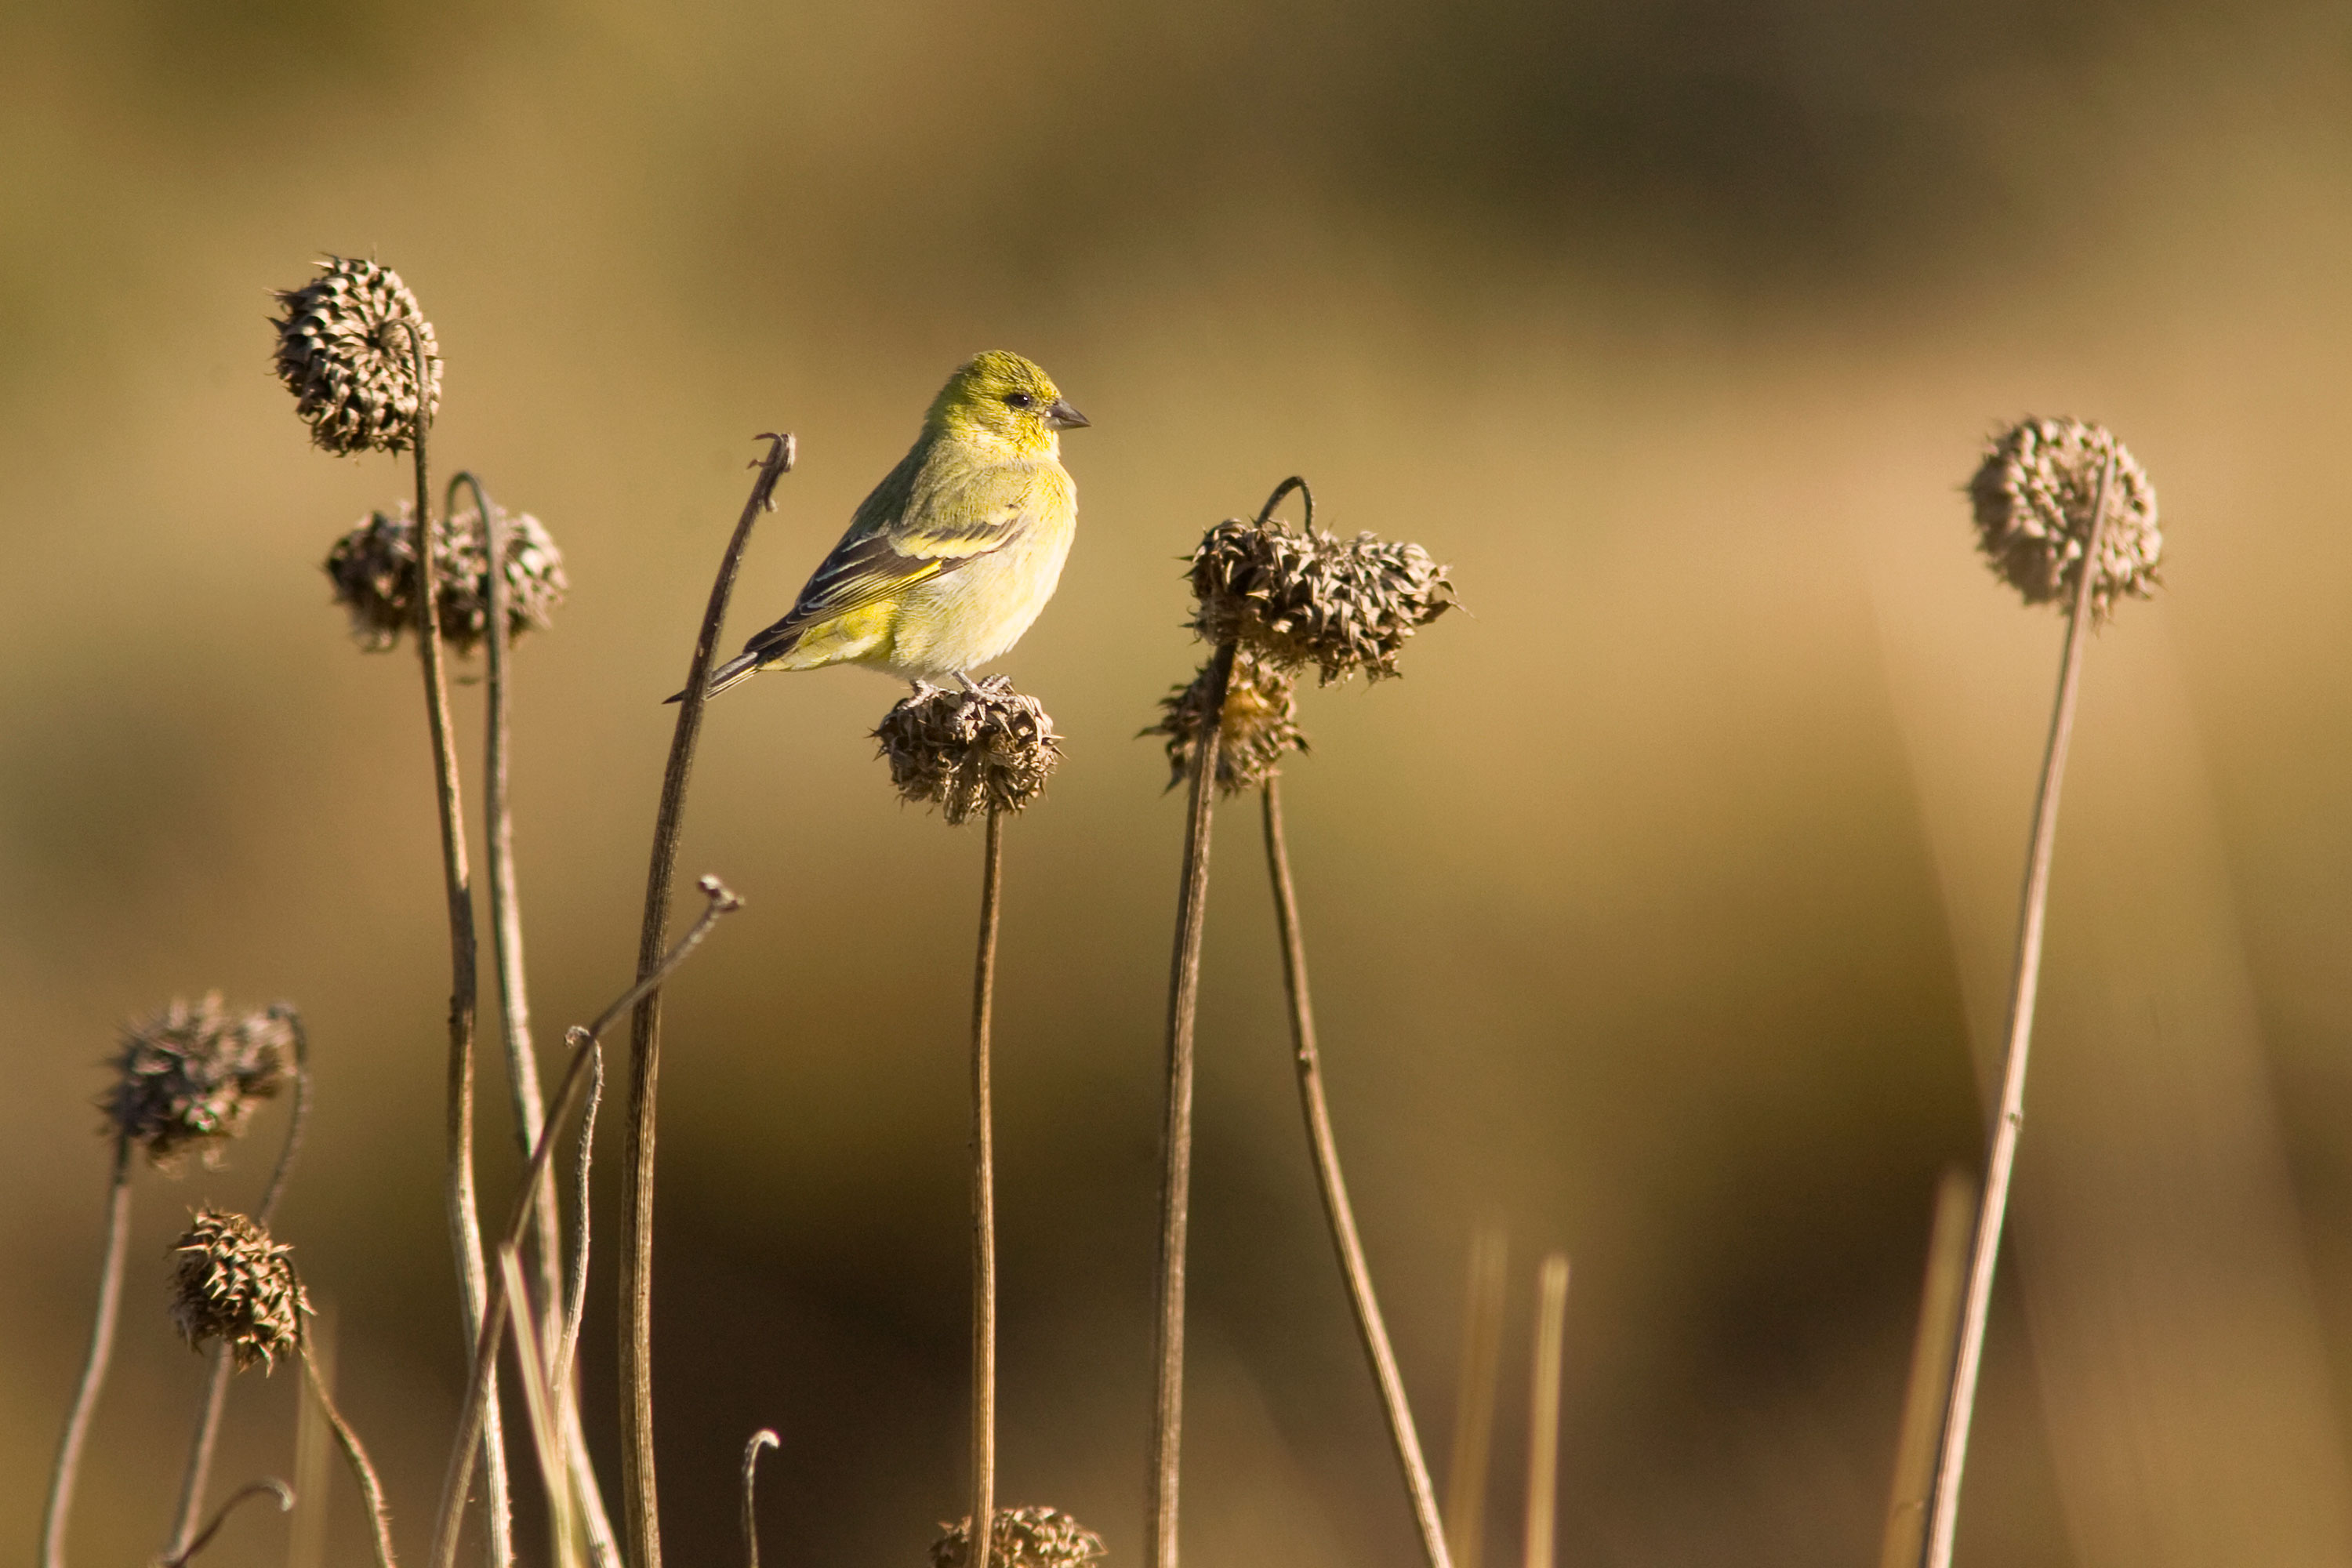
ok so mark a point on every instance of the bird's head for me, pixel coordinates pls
(1000, 397)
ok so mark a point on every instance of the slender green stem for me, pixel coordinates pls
(1929, 1390)
(67, 1469)
(762, 1438)
(2000, 1161)
(355, 1454)
(1338, 1212)
(1176, 1147)
(585, 1053)
(1474, 1400)
(637, 1480)
(465, 1218)
(198, 1472)
(983, 1203)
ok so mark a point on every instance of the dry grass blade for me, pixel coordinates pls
(1543, 1412)
(1474, 1401)
(1928, 1393)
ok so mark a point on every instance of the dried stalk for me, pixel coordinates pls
(2000, 1161)
(585, 1050)
(637, 1480)
(465, 1219)
(1474, 1401)
(1176, 1170)
(764, 1438)
(182, 1543)
(1543, 1412)
(355, 1454)
(983, 1203)
(1929, 1389)
(266, 1487)
(1337, 1210)
(305, 1538)
(67, 1469)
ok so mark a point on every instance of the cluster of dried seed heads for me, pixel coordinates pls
(2033, 496)
(187, 1077)
(343, 350)
(234, 1283)
(1023, 1538)
(988, 749)
(1258, 728)
(373, 569)
(1311, 598)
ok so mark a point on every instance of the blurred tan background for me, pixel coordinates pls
(1655, 915)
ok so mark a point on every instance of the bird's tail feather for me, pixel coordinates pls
(742, 667)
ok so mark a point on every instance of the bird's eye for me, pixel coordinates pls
(1019, 400)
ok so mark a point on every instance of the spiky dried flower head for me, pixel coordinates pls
(2033, 496)
(232, 1283)
(344, 352)
(187, 1077)
(373, 569)
(1023, 1538)
(988, 749)
(1258, 729)
(1296, 597)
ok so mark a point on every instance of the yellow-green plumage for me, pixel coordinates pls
(957, 550)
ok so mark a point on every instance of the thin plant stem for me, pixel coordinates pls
(305, 1538)
(764, 1438)
(1474, 1401)
(640, 1494)
(1338, 1211)
(198, 1472)
(354, 1455)
(2000, 1161)
(586, 1051)
(602, 1549)
(539, 1399)
(268, 1485)
(1176, 1149)
(67, 1469)
(1543, 1412)
(464, 1214)
(1929, 1389)
(983, 1203)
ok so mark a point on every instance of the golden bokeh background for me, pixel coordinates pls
(1654, 916)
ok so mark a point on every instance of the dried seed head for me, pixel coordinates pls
(1259, 727)
(987, 749)
(234, 1283)
(187, 1077)
(373, 569)
(1301, 598)
(2034, 495)
(344, 356)
(1023, 1538)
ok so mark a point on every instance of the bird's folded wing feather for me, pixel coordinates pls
(942, 520)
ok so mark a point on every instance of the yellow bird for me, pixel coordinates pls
(957, 550)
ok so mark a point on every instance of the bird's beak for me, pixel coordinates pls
(1062, 416)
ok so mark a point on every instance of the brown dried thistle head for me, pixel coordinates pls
(187, 1077)
(2032, 496)
(1258, 729)
(1023, 1538)
(988, 749)
(373, 569)
(1305, 596)
(344, 355)
(234, 1283)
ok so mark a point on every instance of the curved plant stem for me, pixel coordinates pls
(266, 1487)
(638, 1480)
(983, 1203)
(355, 1454)
(585, 1054)
(465, 1219)
(764, 1438)
(183, 1543)
(67, 1469)
(2000, 1159)
(1543, 1412)
(1176, 1149)
(1337, 1210)
(1474, 1400)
